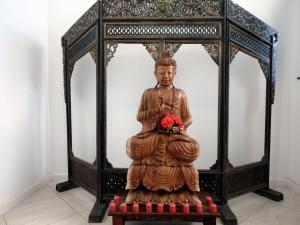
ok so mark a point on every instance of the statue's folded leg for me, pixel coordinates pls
(184, 149)
(141, 146)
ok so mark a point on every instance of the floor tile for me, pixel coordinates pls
(246, 223)
(40, 195)
(74, 220)
(291, 199)
(295, 188)
(2, 221)
(277, 187)
(48, 207)
(272, 214)
(245, 205)
(79, 199)
(46, 211)
(85, 214)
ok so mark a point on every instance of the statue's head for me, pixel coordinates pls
(165, 69)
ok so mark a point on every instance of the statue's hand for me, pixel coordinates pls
(156, 115)
(160, 113)
(178, 130)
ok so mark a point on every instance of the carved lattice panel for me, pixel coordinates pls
(85, 42)
(162, 30)
(114, 182)
(249, 21)
(87, 20)
(209, 183)
(250, 43)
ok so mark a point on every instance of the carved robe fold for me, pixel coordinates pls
(162, 161)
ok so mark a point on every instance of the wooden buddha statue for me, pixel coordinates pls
(162, 169)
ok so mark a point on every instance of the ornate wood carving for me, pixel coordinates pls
(162, 31)
(214, 50)
(233, 52)
(257, 47)
(153, 49)
(265, 68)
(209, 183)
(250, 22)
(114, 182)
(64, 69)
(86, 21)
(85, 42)
(275, 64)
(93, 54)
(162, 8)
(110, 50)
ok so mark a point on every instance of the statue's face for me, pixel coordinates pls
(165, 75)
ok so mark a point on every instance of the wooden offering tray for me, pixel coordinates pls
(207, 216)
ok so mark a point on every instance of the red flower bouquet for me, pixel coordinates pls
(170, 123)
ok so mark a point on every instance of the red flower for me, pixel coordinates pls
(178, 121)
(170, 121)
(167, 122)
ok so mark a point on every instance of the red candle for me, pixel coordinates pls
(149, 207)
(123, 207)
(135, 208)
(112, 207)
(172, 208)
(160, 208)
(199, 208)
(186, 208)
(208, 200)
(213, 209)
(117, 199)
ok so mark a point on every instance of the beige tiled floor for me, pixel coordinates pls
(46, 206)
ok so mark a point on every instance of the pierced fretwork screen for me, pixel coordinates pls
(162, 30)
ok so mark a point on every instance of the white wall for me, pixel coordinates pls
(273, 12)
(84, 110)
(247, 100)
(61, 16)
(23, 98)
(285, 157)
(294, 169)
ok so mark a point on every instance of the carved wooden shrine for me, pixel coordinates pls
(223, 28)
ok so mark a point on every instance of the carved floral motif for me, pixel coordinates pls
(249, 21)
(88, 19)
(110, 50)
(162, 8)
(153, 49)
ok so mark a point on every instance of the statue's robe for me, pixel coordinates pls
(162, 161)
